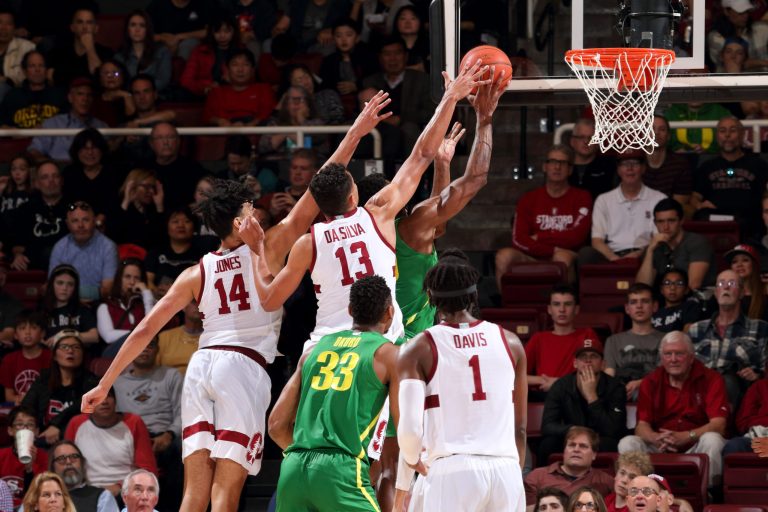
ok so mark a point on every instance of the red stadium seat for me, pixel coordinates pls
(687, 474)
(99, 365)
(604, 324)
(524, 322)
(605, 461)
(111, 30)
(604, 286)
(745, 478)
(721, 235)
(535, 413)
(29, 294)
(735, 508)
(528, 284)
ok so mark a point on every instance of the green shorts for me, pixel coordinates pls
(324, 482)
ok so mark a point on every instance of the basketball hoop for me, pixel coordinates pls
(623, 86)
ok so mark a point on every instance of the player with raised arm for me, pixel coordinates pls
(417, 231)
(356, 242)
(325, 416)
(462, 392)
(226, 390)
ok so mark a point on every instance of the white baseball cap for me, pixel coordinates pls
(738, 5)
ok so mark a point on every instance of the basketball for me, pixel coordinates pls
(490, 56)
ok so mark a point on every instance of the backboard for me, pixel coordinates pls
(543, 30)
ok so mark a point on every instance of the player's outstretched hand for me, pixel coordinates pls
(251, 233)
(487, 97)
(470, 76)
(448, 148)
(371, 114)
(93, 398)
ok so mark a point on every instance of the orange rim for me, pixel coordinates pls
(634, 57)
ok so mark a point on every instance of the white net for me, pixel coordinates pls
(623, 86)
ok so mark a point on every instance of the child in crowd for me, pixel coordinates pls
(20, 368)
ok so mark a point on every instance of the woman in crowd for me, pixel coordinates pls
(410, 27)
(90, 177)
(140, 217)
(113, 104)
(745, 261)
(141, 54)
(327, 102)
(296, 108)
(63, 308)
(206, 65)
(47, 493)
(64, 383)
(586, 498)
(15, 188)
(550, 499)
(203, 188)
(129, 300)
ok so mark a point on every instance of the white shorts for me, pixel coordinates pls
(223, 407)
(470, 483)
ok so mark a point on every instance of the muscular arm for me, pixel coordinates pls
(520, 394)
(184, 289)
(412, 371)
(283, 415)
(646, 273)
(272, 295)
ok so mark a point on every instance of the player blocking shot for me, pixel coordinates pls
(326, 414)
(227, 391)
(462, 392)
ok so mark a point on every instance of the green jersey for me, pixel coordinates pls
(412, 266)
(341, 396)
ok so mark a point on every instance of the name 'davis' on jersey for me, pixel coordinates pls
(343, 233)
(475, 339)
(225, 265)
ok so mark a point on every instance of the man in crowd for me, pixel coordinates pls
(81, 56)
(622, 224)
(80, 99)
(140, 491)
(549, 353)
(180, 24)
(552, 221)
(730, 342)
(593, 171)
(672, 246)
(67, 461)
(633, 354)
(628, 466)
(580, 450)
(93, 255)
(586, 397)
(34, 100)
(144, 94)
(682, 407)
(733, 182)
(41, 222)
(303, 166)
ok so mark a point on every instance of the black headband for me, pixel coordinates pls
(453, 293)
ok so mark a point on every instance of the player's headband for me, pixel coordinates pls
(453, 293)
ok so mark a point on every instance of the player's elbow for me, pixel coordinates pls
(280, 431)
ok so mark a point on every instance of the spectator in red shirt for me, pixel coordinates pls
(551, 222)
(21, 368)
(113, 444)
(628, 466)
(18, 476)
(682, 407)
(205, 69)
(243, 102)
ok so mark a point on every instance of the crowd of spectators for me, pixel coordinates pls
(111, 223)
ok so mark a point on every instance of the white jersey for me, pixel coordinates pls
(344, 250)
(469, 408)
(229, 305)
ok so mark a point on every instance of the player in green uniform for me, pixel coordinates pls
(417, 231)
(325, 416)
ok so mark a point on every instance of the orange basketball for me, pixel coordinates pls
(490, 56)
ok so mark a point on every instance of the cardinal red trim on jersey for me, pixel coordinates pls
(376, 227)
(506, 346)
(314, 249)
(247, 352)
(202, 281)
(431, 401)
(200, 426)
(233, 437)
(457, 326)
(431, 341)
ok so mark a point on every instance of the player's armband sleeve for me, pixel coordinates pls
(411, 426)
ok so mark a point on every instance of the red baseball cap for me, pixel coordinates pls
(663, 482)
(742, 249)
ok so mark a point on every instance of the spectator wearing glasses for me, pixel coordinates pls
(592, 170)
(551, 222)
(114, 103)
(672, 246)
(67, 461)
(586, 498)
(93, 255)
(680, 308)
(140, 491)
(296, 108)
(644, 495)
(730, 342)
(682, 407)
(55, 395)
(622, 220)
(13, 472)
(633, 354)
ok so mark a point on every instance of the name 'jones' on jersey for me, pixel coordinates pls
(346, 249)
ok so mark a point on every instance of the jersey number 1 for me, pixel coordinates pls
(364, 260)
(474, 363)
(237, 293)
